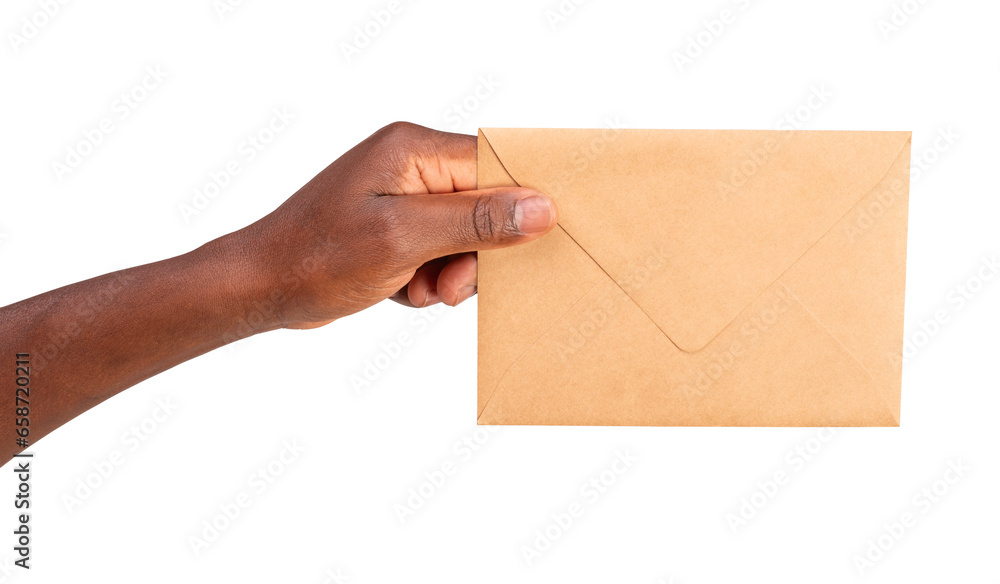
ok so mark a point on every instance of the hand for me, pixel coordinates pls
(396, 217)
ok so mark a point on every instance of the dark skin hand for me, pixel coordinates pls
(398, 216)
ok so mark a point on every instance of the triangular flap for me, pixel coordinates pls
(695, 224)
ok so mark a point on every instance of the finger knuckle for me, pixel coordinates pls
(399, 132)
(393, 148)
(491, 219)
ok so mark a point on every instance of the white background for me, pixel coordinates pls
(331, 514)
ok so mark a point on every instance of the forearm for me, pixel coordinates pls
(396, 217)
(91, 340)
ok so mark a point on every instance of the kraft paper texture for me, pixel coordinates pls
(698, 278)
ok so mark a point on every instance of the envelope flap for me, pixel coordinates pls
(695, 224)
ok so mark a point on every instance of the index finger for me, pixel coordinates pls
(449, 164)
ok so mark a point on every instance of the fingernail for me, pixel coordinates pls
(464, 293)
(533, 215)
(431, 298)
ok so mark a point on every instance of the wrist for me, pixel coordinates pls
(246, 287)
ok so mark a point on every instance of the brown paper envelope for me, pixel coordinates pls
(698, 277)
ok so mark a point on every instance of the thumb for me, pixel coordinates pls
(473, 220)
